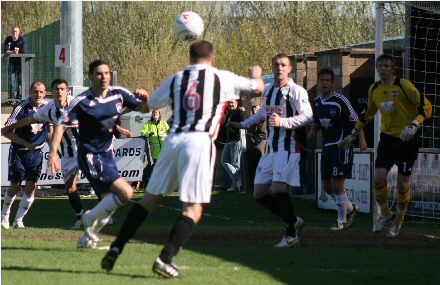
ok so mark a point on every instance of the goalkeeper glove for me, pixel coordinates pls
(348, 140)
(409, 131)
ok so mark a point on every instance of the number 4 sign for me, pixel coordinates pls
(62, 55)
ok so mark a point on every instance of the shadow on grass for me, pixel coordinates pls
(57, 270)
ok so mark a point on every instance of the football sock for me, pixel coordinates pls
(402, 204)
(381, 196)
(75, 202)
(102, 222)
(179, 235)
(341, 203)
(286, 210)
(135, 217)
(107, 205)
(270, 203)
(7, 204)
(24, 206)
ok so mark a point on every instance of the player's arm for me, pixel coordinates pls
(52, 163)
(13, 137)
(424, 110)
(19, 124)
(124, 131)
(256, 118)
(143, 95)
(368, 113)
(303, 108)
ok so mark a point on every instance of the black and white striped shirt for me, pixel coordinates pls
(52, 115)
(291, 102)
(199, 95)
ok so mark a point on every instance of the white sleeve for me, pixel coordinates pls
(255, 118)
(300, 102)
(161, 96)
(239, 84)
(42, 114)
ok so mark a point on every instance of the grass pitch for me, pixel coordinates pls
(232, 245)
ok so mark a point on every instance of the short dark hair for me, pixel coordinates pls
(57, 82)
(201, 50)
(327, 70)
(281, 55)
(386, 56)
(97, 62)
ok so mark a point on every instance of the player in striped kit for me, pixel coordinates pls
(51, 113)
(25, 155)
(285, 107)
(198, 96)
(334, 115)
(96, 112)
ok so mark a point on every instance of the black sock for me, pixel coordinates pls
(179, 235)
(75, 202)
(287, 214)
(270, 203)
(136, 216)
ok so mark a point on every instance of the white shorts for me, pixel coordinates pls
(278, 166)
(69, 166)
(186, 162)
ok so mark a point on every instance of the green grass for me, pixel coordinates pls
(232, 245)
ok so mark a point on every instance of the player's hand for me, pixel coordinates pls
(234, 125)
(31, 148)
(348, 140)
(312, 133)
(409, 131)
(5, 130)
(52, 164)
(255, 71)
(141, 94)
(275, 120)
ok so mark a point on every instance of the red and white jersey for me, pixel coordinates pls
(199, 95)
(291, 103)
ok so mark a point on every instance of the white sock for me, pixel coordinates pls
(102, 222)
(105, 207)
(7, 204)
(23, 208)
(347, 202)
(341, 203)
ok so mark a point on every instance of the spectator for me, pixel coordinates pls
(156, 131)
(232, 151)
(14, 44)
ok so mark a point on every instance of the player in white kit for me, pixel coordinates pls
(285, 107)
(198, 96)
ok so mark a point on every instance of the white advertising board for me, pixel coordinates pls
(129, 157)
(359, 188)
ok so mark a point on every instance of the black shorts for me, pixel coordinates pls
(392, 150)
(336, 163)
(24, 165)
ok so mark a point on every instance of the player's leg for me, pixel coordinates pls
(10, 195)
(16, 174)
(179, 235)
(25, 204)
(33, 164)
(380, 192)
(74, 199)
(262, 182)
(404, 164)
(163, 180)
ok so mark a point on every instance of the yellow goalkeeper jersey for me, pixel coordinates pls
(399, 104)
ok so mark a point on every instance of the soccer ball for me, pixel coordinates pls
(188, 26)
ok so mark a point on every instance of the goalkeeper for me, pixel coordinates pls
(403, 109)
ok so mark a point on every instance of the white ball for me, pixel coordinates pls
(188, 26)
